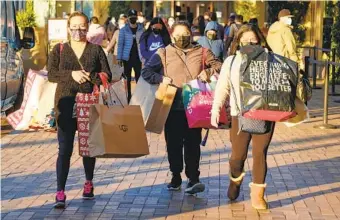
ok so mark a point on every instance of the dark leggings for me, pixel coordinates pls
(178, 136)
(240, 143)
(66, 139)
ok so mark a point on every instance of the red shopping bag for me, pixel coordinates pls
(198, 99)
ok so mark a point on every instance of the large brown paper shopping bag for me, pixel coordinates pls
(155, 102)
(117, 132)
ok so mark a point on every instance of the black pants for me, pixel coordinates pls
(66, 139)
(136, 64)
(177, 135)
(240, 143)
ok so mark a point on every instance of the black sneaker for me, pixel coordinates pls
(60, 200)
(175, 184)
(88, 190)
(194, 187)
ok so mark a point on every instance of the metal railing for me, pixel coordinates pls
(327, 65)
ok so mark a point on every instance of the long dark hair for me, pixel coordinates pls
(246, 28)
(164, 32)
(201, 25)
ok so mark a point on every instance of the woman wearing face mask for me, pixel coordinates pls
(183, 62)
(155, 37)
(211, 42)
(229, 85)
(74, 66)
(128, 48)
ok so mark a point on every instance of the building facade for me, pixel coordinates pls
(189, 9)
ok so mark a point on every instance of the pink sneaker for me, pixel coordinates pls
(88, 190)
(60, 200)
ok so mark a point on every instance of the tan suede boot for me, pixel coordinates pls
(235, 186)
(257, 195)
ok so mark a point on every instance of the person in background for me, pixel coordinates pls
(155, 37)
(220, 34)
(228, 85)
(207, 17)
(74, 66)
(231, 21)
(128, 48)
(140, 18)
(184, 63)
(147, 22)
(113, 45)
(171, 21)
(110, 27)
(280, 36)
(96, 33)
(233, 31)
(198, 28)
(210, 41)
(123, 16)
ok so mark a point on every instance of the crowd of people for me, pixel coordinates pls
(167, 51)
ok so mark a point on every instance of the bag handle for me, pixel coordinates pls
(104, 78)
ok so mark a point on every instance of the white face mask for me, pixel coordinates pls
(287, 20)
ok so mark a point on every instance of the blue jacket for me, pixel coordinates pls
(125, 41)
(150, 47)
(216, 46)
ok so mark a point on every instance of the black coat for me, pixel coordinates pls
(60, 67)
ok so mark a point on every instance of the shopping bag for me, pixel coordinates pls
(304, 90)
(37, 101)
(155, 102)
(116, 132)
(197, 99)
(268, 84)
(116, 69)
(302, 114)
(117, 93)
(83, 103)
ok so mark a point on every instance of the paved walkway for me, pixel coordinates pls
(303, 178)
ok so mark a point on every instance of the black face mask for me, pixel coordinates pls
(133, 20)
(156, 31)
(183, 41)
